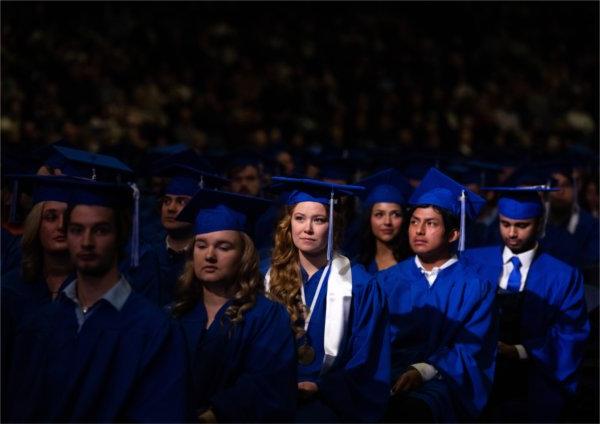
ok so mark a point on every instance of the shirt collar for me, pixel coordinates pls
(436, 269)
(525, 257)
(169, 248)
(116, 296)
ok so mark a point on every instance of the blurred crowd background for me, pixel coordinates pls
(480, 80)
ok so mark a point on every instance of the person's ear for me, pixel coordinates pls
(453, 236)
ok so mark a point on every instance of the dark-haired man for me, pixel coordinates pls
(443, 343)
(100, 352)
(543, 318)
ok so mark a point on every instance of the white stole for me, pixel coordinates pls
(338, 303)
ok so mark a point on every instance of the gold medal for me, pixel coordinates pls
(306, 354)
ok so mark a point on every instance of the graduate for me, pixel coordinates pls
(99, 352)
(543, 318)
(442, 335)
(173, 247)
(337, 310)
(240, 344)
(383, 242)
(140, 264)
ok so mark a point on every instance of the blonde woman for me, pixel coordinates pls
(240, 344)
(336, 310)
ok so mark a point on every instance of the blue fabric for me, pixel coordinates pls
(357, 387)
(219, 218)
(171, 265)
(514, 278)
(440, 190)
(296, 197)
(182, 186)
(448, 325)
(245, 372)
(387, 186)
(521, 208)
(127, 365)
(10, 249)
(580, 249)
(554, 326)
(144, 278)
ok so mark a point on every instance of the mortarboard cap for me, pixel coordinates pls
(385, 186)
(307, 190)
(186, 180)
(211, 210)
(439, 190)
(42, 187)
(520, 202)
(79, 163)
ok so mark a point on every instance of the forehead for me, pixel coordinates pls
(177, 196)
(246, 171)
(52, 204)
(386, 206)
(229, 236)
(516, 221)
(426, 213)
(85, 214)
(310, 208)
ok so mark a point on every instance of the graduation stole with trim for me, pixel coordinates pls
(338, 301)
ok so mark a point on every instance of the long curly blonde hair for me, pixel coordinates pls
(247, 283)
(285, 277)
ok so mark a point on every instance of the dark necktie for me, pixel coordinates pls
(514, 279)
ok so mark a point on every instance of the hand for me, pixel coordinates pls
(508, 351)
(410, 380)
(207, 416)
(307, 389)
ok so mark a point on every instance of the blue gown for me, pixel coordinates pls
(171, 266)
(449, 326)
(580, 249)
(356, 387)
(554, 327)
(10, 249)
(127, 365)
(245, 372)
(144, 278)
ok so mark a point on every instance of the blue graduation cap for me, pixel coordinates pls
(307, 190)
(521, 202)
(186, 180)
(79, 163)
(388, 186)
(42, 187)
(211, 210)
(439, 190)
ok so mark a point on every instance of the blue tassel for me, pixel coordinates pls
(135, 232)
(330, 231)
(463, 201)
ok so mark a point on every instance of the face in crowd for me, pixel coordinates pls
(246, 181)
(519, 235)
(386, 221)
(427, 234)
(52, 232)
(309, 227)
(217, 255)
(92, 238)
(170, 208)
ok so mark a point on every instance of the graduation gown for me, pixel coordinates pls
(554, 327)
(171, 266)
(448, 325)
(144, 278)
(245, 372)
(127, 365)
(356, 387)
(10, 249)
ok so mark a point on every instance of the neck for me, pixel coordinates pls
(90, 288)
(312, 263)
(429, 262)
(179, 242)
(383, 251)
(216, 295)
